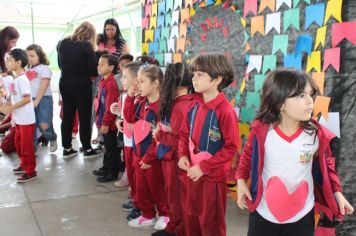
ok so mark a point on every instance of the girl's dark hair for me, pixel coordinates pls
(153, 72)
(147, 59)
(19, 55)
(6, 35)
(112, 61)
(176, 75)
(39, 51)
(215, 65)
(133, 67)
(278, 86)
(119, 39)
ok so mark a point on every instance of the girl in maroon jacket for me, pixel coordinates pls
(288, 158)
(174, 101)
(108, 93)
(148, 171)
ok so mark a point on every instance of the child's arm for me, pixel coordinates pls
(43, 88)
(167, 138)
(129, 107)
(9, 108)
(112, 94)
(183, 144)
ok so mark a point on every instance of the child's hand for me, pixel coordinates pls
(6, 109)
(104, 129)
(195, 173)
(344, 205)
(130, 127)
(119, 125)
(132, 90)
(242, 193)
(144, 166)
(114, 108)
(154, 132)
(184, 163)
(35, 103)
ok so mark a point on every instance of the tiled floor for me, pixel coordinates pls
(67, 200)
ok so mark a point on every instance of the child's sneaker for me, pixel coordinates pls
(141, 222)
(161, 223)
(123, 182)
(25, 177)
(53, 146)
(128, 206)
(135, 213)
(18, 170)
(69, 153)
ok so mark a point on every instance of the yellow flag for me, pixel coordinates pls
(333, 9)
(244, 129)
(149, 35)
(218, 2)
(320, 37)
(154, 10)
(243, 22)
(243, 86)
(145, 48)
(192, 11)
(314, 61)
(153, 23)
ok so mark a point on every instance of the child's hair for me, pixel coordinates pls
(126, 56)
(147, 59)
(176, 75)
(39, 51)
(19, 55)
(112, 61)
(215, 65)
(133, 67)
(153, 72)
(279, 85)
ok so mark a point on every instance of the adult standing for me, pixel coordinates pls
(78, 63)
(8, 39)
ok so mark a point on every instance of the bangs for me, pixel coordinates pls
(301, 80)
(200, 63)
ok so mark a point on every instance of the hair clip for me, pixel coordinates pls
(144, 65)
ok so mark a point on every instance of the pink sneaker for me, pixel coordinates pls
(161, 223)
(141, 222)
(123, 182)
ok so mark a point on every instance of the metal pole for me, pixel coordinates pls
(32, 23)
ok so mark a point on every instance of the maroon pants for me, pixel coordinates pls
(25, 147)
(130, 172)
(150, 189)
(8, 144)
(174, 191)
(206, 207)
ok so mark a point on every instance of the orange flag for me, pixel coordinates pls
(271, 4)
(180, 45)
(182, 30)
(257, 25)
(184, 15)
(321, 105)
(177, 58)
(319, 79)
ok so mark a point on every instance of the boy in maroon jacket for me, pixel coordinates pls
(108, 93)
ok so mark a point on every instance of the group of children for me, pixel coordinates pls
(27, 106)
(180, 134)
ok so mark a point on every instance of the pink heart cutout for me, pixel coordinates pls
(197, 157)
(282, 204)
(12, 87)
(142, 129)
(163, 127)
(127, 131)
(31, 74)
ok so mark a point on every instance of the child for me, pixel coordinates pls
(23, 115)
(128, 79)
(40, 75)
(207, 143)
(290, 161)
(123, 60)
(108, 93)
(174, 101)
(148, 173)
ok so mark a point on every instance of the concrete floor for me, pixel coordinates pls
(67, 200)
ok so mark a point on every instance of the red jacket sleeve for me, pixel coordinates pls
(129, 109)
(150, 154)
(244, 166)
(333, 175)
(168, 138)
(183, 142)
(230, 134)
(112, 94)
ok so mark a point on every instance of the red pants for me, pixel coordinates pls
(150, 189)
(174, 191)
(25, 147)
(206, 205)
(75, 121)
(8, 144)
(130, 172)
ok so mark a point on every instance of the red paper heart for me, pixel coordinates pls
(12, 87)
(142, 129)
(282, 204)
(127, 131)
(199, 156)
(31, 74)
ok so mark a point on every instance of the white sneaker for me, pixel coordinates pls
(123, 182)
(161, 223)
(53, 146)
(142, 222)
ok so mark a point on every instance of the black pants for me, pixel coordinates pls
(76, 98)
(258, 226)
(112, 162)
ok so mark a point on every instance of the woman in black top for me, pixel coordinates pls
(78, 63)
